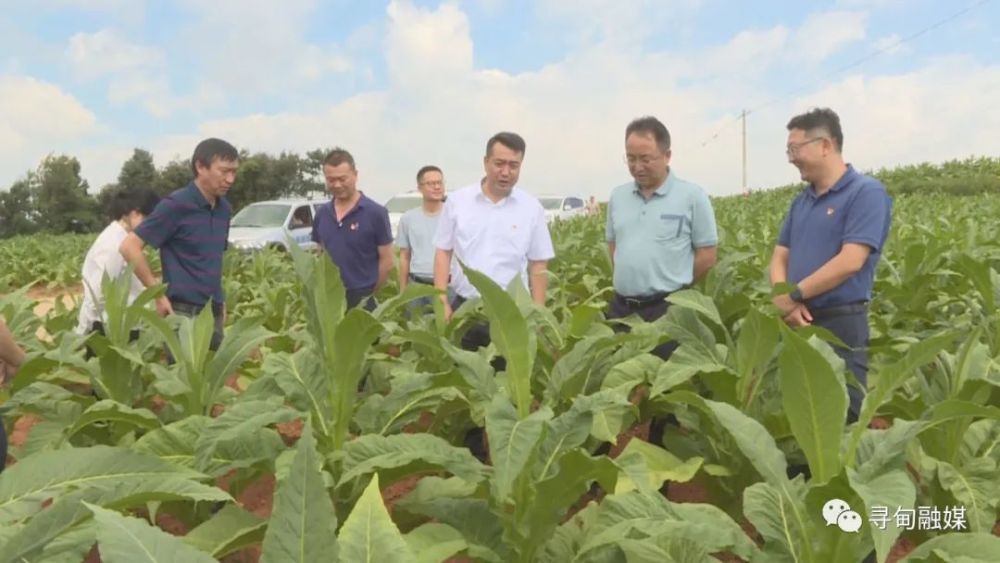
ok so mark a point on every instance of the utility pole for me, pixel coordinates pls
(743, 117)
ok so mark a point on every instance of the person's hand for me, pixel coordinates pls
(447, 311)
(163, 307)
(799, 317)
(785, 303)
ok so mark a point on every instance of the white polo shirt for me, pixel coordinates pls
(497, 239)
(102, 257)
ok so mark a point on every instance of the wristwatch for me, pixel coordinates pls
(796, 295)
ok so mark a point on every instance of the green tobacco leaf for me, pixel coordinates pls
(370, 453)
(684, 364)
(958, 548)
(633, 371)
(513, 443)
(890, 379)
(759, 336)
(68, 511)
(780, 518)
(753, 441)
(229, 530)
(237, 431)
(892, 490)
(112, 411)
(645, 467)
(697, 301)
(239, 342)
(123, 539)
(884, 450)
(433, 542)
(303, 524)
(369, 534)
(509, 332)
(976, 486)
(355, 335)
(175, 443)
(815, 402)
(41, 476)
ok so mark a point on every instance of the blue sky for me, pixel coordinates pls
(405, 83)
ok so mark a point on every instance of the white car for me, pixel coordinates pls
(267, 224)
(562, 207)
(399, 205)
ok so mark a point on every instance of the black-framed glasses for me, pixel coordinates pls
(793, 148)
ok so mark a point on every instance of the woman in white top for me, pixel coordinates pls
(128, 208)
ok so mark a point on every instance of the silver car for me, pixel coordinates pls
(268, 224)
(400, 204)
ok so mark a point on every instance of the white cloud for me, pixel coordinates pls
(612, 21)
(825, 33)
(890, 45)
(104, 52)
(35, 118)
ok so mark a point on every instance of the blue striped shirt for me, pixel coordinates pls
(192, 237)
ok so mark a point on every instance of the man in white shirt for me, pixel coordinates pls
(494, 228)
(128, 208)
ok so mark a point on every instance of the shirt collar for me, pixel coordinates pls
(661, 191)
(199, 198)
(845, 179)
(515, 195)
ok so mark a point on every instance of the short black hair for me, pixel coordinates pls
(820, 118)
(512, 141)
(426, 169)
(649, 125)
(338, 156)
(126, 200)
(211, 150)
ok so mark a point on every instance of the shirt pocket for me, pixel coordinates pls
(670, 226)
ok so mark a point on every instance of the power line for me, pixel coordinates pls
(849, 66)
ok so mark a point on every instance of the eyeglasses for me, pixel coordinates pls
(793, 148)
(644, 160)
(432, 183)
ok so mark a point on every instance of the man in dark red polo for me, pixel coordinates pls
(190, 227)
(354, 231)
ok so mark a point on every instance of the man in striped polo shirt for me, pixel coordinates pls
(190, 227)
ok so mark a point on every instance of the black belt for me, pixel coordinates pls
(421, 279)
(640, 301)
(186, 308)
(840, 310)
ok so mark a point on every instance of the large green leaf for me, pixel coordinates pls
(756, 344)
(123, 539)
(36, 478)
(303, 382)
(509, 333)
(958, 548)
(417, 452)
(815, 401)
(111, 411)
(354, 336)
(513, 443)
(231, 529)
(685, 363)
(646, 466)
(237, 430)
(780, 518)
(369, 534)
(303, 524)
(976, 486)
(434, 542)
(175, 443)
(68, 511)
(697, 301)
(753, 441)
(893, 490)
(239, 342)
(633, 371)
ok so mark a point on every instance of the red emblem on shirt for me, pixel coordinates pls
(829, 211)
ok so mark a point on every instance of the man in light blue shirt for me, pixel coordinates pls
(416, 234)
(661, 229)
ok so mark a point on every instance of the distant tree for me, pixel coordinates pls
(138, 171)
(17, 216)
(61, 199)
(176, 174)
(262, 177)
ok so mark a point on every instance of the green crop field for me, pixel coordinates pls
(316, 434)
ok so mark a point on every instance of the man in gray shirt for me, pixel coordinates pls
(416, 234)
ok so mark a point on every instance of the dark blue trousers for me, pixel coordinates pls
(850, 324)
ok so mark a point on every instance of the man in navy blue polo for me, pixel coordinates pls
(830, 243)
(354, 231)
(190, 227)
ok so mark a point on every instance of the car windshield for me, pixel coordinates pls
(551, 203)
(402, 204)
(262, 215)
